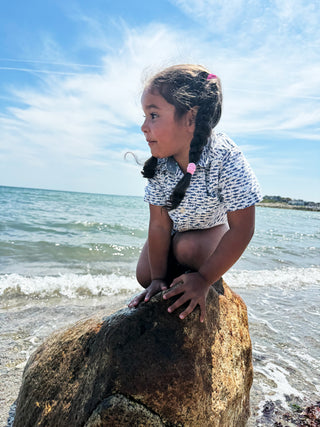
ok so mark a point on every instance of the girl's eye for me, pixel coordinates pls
(152, 116)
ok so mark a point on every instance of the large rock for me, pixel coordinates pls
(144, 367)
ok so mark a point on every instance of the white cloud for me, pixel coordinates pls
(91, 118)
(254, 18)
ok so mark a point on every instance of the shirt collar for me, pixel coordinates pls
(172, 165)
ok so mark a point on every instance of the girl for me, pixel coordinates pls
(201, 190)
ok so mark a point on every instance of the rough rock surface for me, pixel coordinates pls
(144, 367)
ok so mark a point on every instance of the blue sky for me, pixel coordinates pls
(71, 74)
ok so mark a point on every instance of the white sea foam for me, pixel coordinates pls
(290, 277)
(279, 376)
(67, 285)
(74, 285)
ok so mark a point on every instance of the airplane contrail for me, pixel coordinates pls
(33, 61)
(32, 70)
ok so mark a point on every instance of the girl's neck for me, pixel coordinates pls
(182, 158)
(182, 162)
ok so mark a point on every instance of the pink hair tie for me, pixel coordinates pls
(191, 168)
(211, 76)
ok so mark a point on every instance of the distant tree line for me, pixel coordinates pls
(275, 199)
(289, 201)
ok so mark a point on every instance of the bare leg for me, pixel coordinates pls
(143, 273)
(191, 248)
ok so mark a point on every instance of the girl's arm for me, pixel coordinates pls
(195, 286)
(159, 237)
(231, 246)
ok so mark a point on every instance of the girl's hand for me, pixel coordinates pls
(156, 286)
(193, 288)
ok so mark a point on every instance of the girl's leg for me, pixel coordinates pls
(192, 248)
(143, 273)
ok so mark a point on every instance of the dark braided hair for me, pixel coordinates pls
(186, 86)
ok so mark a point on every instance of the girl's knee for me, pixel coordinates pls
(192, 248)
(143, 276)
(185, 251)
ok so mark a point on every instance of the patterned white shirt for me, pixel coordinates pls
(222, 182)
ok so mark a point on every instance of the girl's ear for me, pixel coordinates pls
(191, 119)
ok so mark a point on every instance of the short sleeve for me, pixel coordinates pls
(154, 193)
(238, 183)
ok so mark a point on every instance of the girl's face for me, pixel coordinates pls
(165, 135)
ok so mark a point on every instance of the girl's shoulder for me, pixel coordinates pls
(221, 141)
(219, 145)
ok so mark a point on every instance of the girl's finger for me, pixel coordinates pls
(149, 294)
(172, 292)
(188, 310)
(177, 280)
(132, 303)
(137, 300)
(202, 311)
(180, 301)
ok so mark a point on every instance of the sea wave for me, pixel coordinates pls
(83, 285)
(289, 277)
(66, 285)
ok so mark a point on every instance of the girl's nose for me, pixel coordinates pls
(144, 126)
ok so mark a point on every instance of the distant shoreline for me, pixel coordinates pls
(279, 205)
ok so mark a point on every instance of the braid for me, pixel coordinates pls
(200, 137)
(149, 167)
(185, 87)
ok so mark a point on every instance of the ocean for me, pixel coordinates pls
(65, 255)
